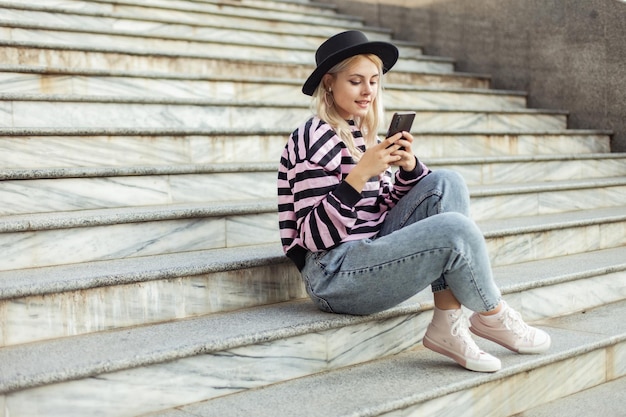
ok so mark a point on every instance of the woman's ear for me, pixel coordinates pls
(327, 81)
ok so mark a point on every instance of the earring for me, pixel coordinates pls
(326, 98)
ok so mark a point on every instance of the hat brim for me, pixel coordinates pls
(387, 52)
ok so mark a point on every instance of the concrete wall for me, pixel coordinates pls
(567, 54)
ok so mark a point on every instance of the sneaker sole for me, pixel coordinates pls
(469, 364)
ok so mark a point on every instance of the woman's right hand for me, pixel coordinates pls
(374, 161)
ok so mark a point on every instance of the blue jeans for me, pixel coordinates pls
(426, 239)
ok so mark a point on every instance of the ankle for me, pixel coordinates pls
(496, 312)
(445, 300)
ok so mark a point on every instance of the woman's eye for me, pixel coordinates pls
(355, 82)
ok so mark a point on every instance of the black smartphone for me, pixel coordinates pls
(401, 122)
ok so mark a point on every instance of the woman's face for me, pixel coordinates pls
(354, 89)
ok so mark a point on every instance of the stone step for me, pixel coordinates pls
(139, 309)
(87, 112)
(545, 236)
(487, 144)
(57, 238)
(587, 350)
(287, 5)
(118, 41)
(219, 355)
(194, 12)
(96, 188)
(238, 35)
(531, 169)
(45, 239)
(34, 81)
(42, 148)
(476, 171)
(47, 303)
(504, 201)
(605, 399)
(66, 189)
(29, 54)
(54, 302)
(219, 26)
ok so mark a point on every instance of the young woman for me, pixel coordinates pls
(366, 239)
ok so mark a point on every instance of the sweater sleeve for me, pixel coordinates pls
(323, 203)
(405, 180)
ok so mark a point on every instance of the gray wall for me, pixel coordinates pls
(567, 54)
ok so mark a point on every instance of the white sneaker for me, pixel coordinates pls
(448, 334)
(509, 330)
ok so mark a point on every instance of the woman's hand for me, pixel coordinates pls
(378, 158)
(407, 157)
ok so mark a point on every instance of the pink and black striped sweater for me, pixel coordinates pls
(317, 210)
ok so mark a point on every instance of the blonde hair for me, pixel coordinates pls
(368, 125)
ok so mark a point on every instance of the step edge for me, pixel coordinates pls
(121, 215)
(95, 274)
(35, 131)
(313, 320)
(36, 173)
(133, 170)
(89, 275)
(106, 100)
(468, 380)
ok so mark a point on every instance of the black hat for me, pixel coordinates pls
(345, 45)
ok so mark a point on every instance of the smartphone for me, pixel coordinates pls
(401, 122)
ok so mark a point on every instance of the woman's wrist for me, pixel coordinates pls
(412, 173)
(356, 179)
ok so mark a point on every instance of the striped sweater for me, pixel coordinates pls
(317, 210)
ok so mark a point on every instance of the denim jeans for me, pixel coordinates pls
(426, 239)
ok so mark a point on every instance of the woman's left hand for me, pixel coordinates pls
(407, 159)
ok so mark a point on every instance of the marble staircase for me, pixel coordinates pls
(142, 271)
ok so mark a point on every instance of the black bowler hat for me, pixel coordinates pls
(345, 45)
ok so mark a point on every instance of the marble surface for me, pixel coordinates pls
(570, 297)
(116, 42)
(533, 171)
(219, 27)
(469, 144)
(238, 29)
(500, 398)
(94, 192)
(221, 372)
(180, 11)
(66, 194)
(142, 237)
(46, 241)
(271, 91)
(554, 235)
(213, 29)
(27, 151)
(29, 54)
(430, 98)
(420, 382)
(16, 112)
(547, 199)
(606, 399)
(97, 149)
(69, 313)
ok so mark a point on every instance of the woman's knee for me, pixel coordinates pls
(460, 228)
(454, 191)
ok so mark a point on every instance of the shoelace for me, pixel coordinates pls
(460, 329)
(512, 320)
